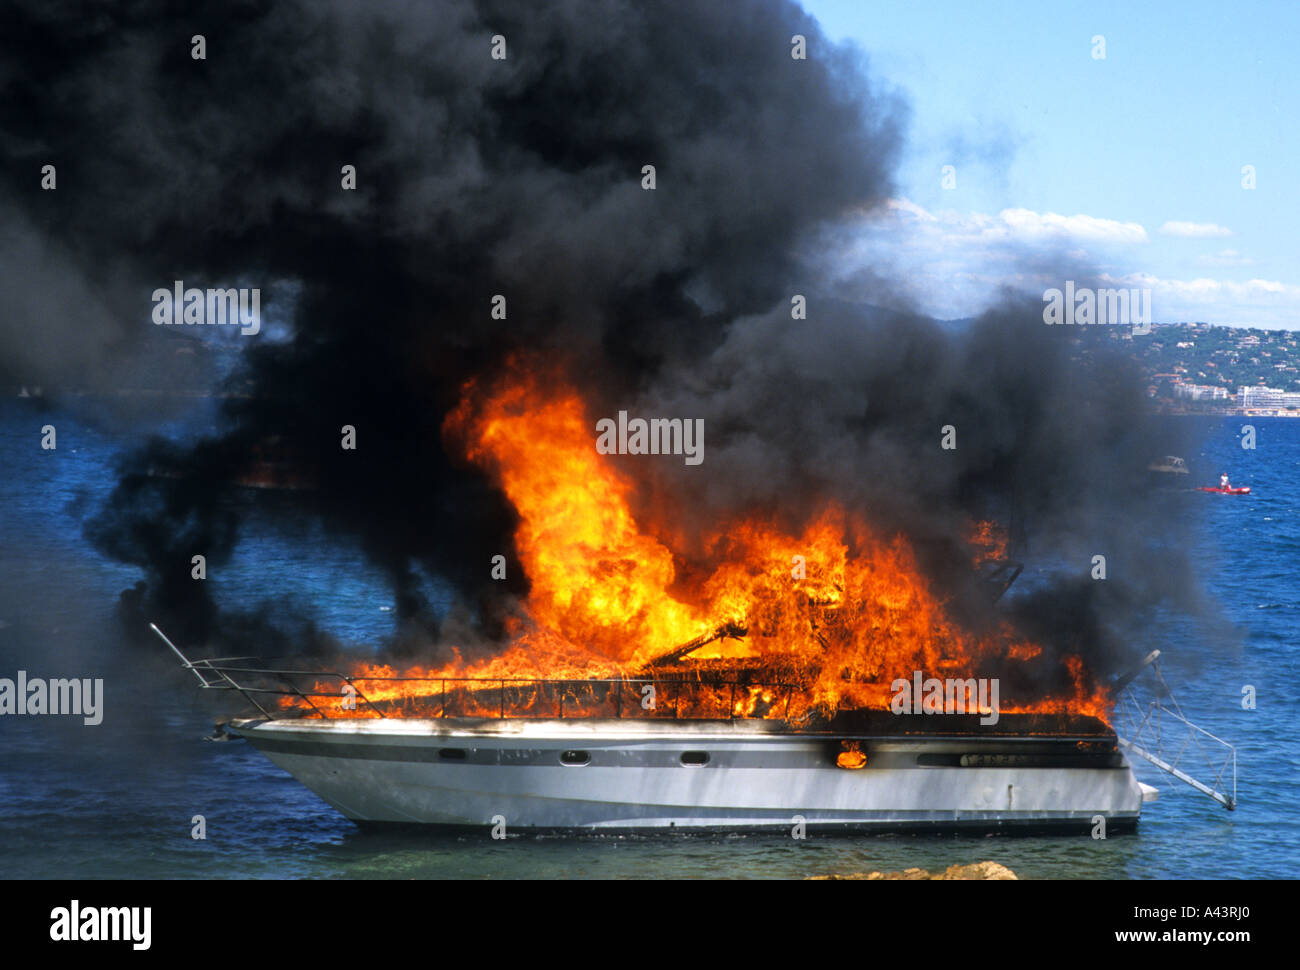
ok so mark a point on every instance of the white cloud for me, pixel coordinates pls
(1027, 224)
(1009, 225)
(1257, 302)
(1210, 290)
(911, 208)
(954, 263)
(1194, 230)
(1225, 257)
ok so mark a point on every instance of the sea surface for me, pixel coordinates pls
(118, 800)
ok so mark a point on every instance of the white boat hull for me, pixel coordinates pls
(461, 772)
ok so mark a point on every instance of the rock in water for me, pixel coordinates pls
(977, 870)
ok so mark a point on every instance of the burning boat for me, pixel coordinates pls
(689, 752)
(773, 710)
(695, 754)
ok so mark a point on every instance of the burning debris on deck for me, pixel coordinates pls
(673, 685)
(724, 631)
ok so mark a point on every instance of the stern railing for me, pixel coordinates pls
(1156, 729)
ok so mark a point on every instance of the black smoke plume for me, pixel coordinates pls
(522, 177)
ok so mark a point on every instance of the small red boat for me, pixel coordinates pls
(1244, 490)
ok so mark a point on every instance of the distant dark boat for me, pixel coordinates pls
(1168, 465)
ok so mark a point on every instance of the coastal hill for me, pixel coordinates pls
(1217, 356)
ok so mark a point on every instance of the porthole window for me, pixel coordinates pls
(575, 757)
(695, 757)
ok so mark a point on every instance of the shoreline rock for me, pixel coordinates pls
(976, 870)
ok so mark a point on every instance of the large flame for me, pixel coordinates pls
(829, 618)
(598, 580)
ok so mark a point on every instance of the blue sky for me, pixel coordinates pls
(1132, 163)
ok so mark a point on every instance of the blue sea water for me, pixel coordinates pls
(117, 800)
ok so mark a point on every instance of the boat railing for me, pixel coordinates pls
(285, 693)
(1155, 728)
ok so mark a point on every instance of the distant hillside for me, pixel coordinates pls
(1203, 354)
(1228, 357)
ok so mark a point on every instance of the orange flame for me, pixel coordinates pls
(838, 609)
